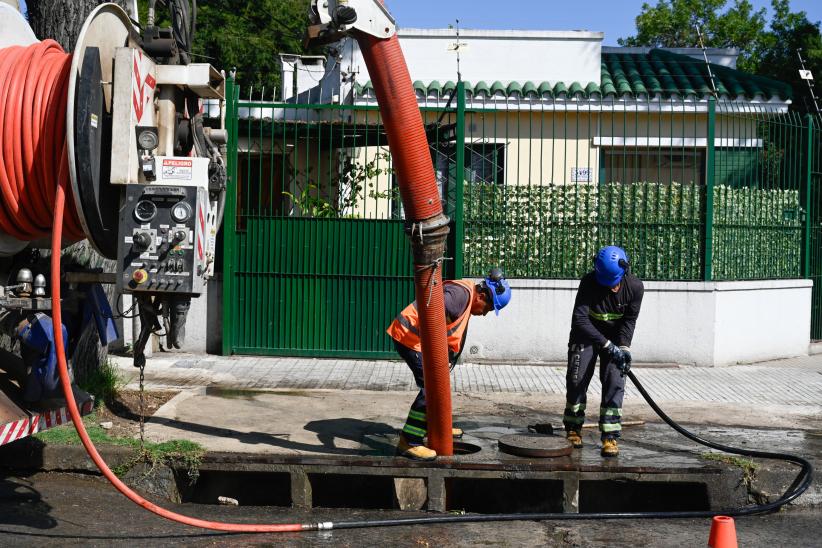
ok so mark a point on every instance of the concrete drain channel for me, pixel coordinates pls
(480, 478)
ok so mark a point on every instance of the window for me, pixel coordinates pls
(631, 165)
(485, 163)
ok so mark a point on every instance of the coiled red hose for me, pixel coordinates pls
(34, 179)
(33, 153)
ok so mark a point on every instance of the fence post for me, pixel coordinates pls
(229, 218)
(709, 191)
(808, 191)
(459, 213)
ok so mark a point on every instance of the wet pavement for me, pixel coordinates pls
(58, 509)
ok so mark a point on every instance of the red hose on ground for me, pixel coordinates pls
(34, 183)
(421, 201)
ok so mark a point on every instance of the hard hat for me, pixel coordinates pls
(610, 265)
(498, 289)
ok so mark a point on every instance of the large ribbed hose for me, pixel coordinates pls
(421, 201)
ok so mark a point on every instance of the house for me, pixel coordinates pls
(546, 145)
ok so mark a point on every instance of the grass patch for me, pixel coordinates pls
(103, 382)
(187, 454)
(747, 466)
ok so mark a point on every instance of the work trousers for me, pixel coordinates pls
(416, 425)
(581, 362)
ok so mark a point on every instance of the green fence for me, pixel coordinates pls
(317, 263)
(710, 192)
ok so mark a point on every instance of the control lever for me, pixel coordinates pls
(179, 236)
(142, 241)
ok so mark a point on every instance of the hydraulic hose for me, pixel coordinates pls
(42, 180)
(33, 152)
(427, 226)
(34, 183)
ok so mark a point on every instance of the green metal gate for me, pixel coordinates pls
(316, 259)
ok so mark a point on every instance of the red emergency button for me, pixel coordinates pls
(140, 276)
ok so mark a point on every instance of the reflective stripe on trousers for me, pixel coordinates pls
(581, 363)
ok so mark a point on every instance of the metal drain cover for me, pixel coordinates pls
(535, 445)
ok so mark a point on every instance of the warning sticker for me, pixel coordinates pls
(177, 169)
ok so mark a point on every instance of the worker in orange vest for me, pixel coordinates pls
(463, 299)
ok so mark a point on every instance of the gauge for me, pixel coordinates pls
(145, 210)
(147, 138)
(181, 212)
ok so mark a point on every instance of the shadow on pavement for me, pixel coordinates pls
(23, 505)
(369, 435)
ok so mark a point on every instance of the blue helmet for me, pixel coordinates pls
(498, 289)
(610, 265)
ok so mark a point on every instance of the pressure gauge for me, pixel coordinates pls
(147, 138)
(145, 210)
(181, 212)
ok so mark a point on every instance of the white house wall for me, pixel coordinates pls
(699, 323)
(489, 55)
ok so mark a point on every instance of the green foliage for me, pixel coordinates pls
(674, 23)
(247, 36)
(747, 466)
(174, 452)
(791, 32)
(356, 183)
(757, 233)
(553, 231)
(103, 382)
(765, 51)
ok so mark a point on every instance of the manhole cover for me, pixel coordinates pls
(535, 445)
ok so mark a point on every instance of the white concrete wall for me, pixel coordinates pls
(705, 324)
(198, 332)
(491, 55)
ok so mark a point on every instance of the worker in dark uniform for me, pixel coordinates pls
(605, 313)
(463, 299)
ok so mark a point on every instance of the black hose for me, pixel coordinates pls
(799, 485)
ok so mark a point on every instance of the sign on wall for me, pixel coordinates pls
(581, 174)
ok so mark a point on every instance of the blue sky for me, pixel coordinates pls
(613, 17)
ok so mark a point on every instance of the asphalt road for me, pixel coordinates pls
(58, 509)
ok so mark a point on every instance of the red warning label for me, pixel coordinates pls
(177, 169)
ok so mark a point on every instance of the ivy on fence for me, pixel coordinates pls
(553, 231)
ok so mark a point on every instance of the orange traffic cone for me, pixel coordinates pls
(723, 533)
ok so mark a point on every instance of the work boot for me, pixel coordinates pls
(457, 433)
(414, 452)
(609, 448)
(574, 437)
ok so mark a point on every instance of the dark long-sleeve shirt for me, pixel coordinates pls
(601, 315)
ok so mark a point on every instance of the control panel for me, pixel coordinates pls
(166, 241)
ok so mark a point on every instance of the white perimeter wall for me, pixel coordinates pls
(706, 324)
(492, 55)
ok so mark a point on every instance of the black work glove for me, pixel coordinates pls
(626, 363)
(615, 355)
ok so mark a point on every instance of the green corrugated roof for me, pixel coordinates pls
(667, 73)
(636, 75)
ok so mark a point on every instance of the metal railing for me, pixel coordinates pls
(692, 189)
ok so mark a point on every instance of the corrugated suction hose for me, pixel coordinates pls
(423, 209)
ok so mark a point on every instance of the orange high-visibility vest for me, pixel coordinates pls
(405, 327)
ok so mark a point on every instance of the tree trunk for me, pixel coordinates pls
(61, 20)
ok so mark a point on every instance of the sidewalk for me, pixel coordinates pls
(283, 411)
(795, 382)
(232, 403)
